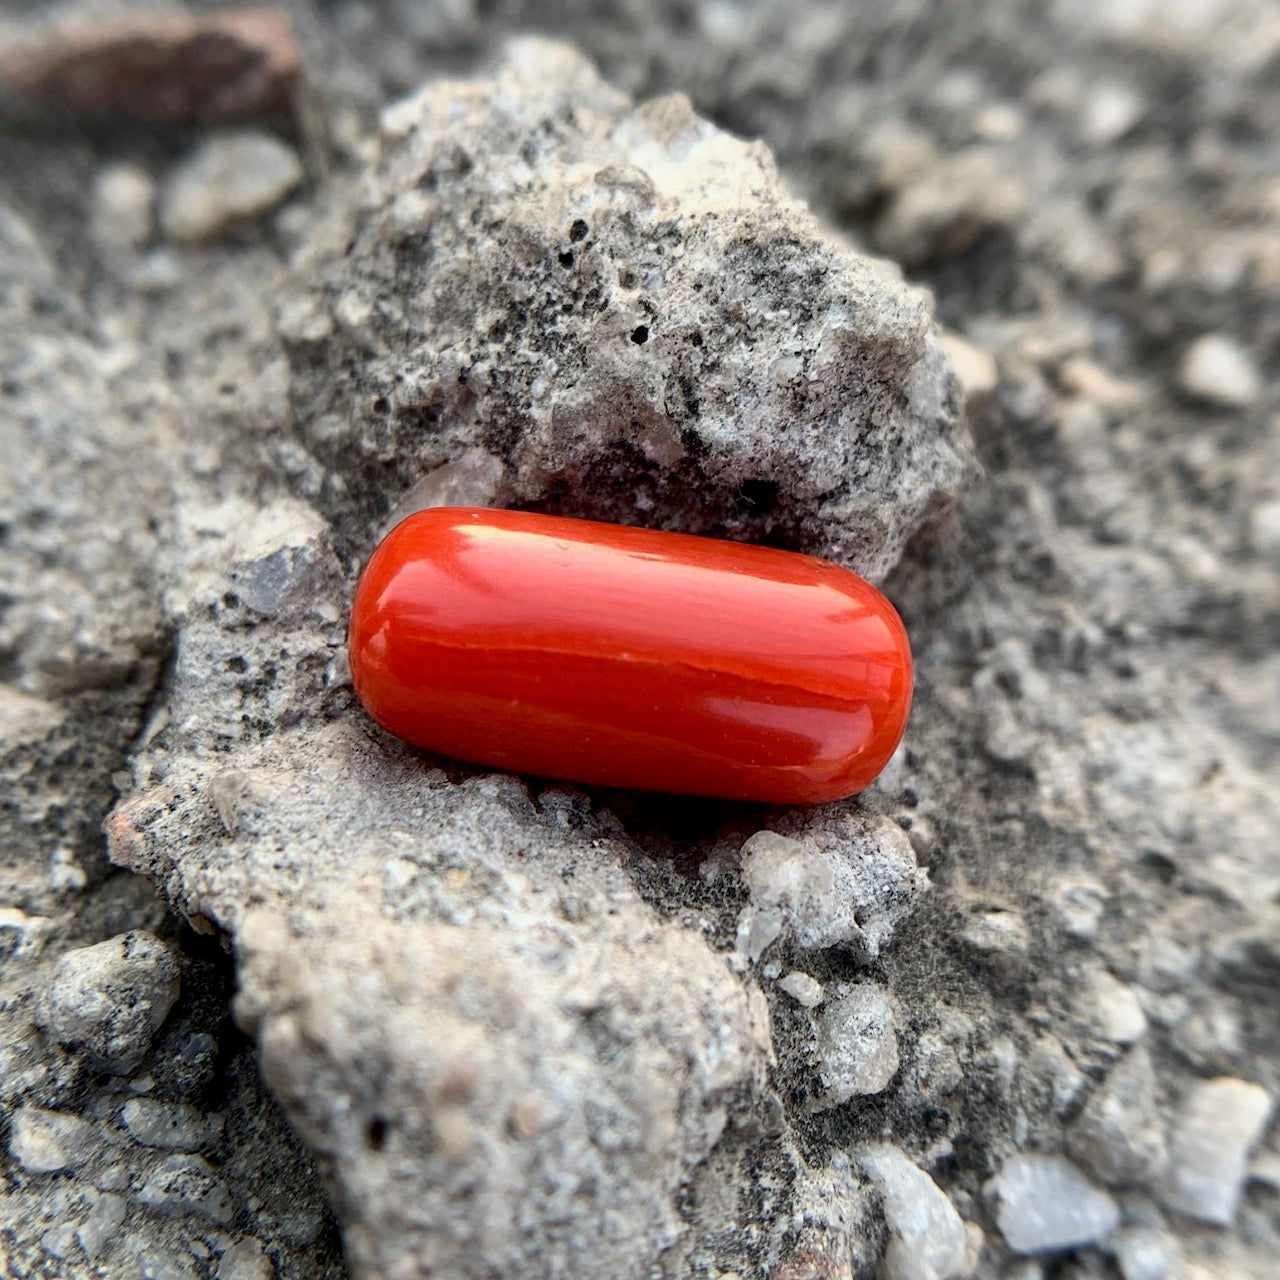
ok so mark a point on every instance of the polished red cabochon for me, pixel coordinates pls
(626, 657)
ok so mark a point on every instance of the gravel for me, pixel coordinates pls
(857, 1044)
(1119, 1135)
(927, 1238)
(1213, 1138)
(227, 181)
(108, 1000)
(1044, 1204)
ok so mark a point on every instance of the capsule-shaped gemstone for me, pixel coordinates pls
(623, 657)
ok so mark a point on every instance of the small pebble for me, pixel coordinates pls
(803, 989)
(1219, 370)
(1264, 530)
(21, 934)
(1093, 383)
(1119, 1135)
(102, 1225)
(1112, 1008)
(66, 875)
(470, 480)
(857, 1044)
(245, 1260)
(1044, 1204)
(187, 1185)
(1109, 111)
(108, 1000)
(59, 1241)
(229, 179)
(49, 1141)
(1143, 1253)
(1210, 1039)
(1001, 936)
(157, 1264)
(174, 1126)
(124, 199)
(975, 367)
(1080, 902)
(927, 1237)
(1213, 1138)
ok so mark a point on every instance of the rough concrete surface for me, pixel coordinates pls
(981, 299)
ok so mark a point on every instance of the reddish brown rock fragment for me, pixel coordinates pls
(162, 68)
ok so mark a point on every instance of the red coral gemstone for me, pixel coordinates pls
(629, 657)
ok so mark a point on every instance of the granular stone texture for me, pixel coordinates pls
(108, 1000)
(500, 1027)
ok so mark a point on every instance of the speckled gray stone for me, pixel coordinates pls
(857, 1044)
(108, 1000)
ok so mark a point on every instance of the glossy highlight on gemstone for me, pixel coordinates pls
(624, 657)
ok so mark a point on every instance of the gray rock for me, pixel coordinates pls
(102, 1225)
(846, 882)
(245, 1260)
(187, 1185)
(1110, 1007)
(1143, 1253)
(805, 990)
(857, 1044)
(1264, 530)
(1221, 1122)
(927, 1238)
(473, 1059)
(173, 1126)
(44, 1141)
(1119, 1136)
(1218, 369)
(641, 287)
(1044, 1204)
(107, 1001)
(229, 179)
(124, 206)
